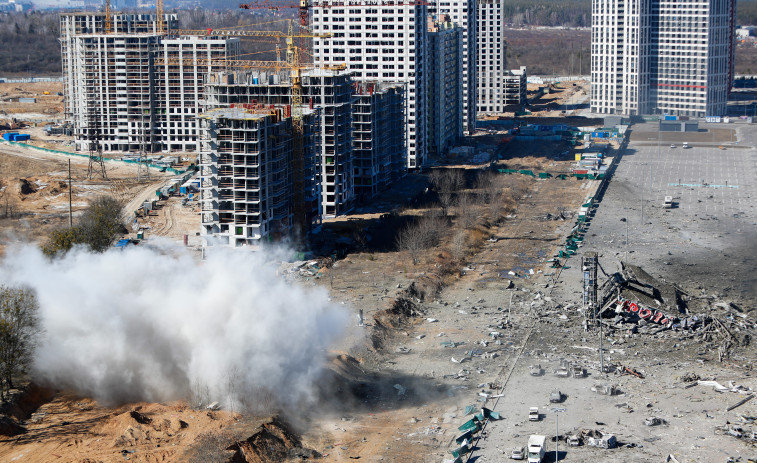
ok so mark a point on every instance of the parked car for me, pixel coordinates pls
(518, 454)
(533, 414)
(673, 146)
(556, 397)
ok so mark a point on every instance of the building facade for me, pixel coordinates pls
(492, 57)
(380, 41)
(662, 57)
(464, 14)
(246, 189)
(378, 140)
(326, 90)
(515, 87)
(445, 95)
(129, 88)
(181, 66)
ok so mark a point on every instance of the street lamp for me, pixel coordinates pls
(557, 412)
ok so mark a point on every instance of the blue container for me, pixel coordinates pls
(9, 136)
(22, 137)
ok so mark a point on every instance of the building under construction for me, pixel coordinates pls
(246, 169)
(112, 80)
(515, 84)
(445, 85)
(330, 91)
(378, 140)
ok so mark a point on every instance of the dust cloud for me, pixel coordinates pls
(154, 324)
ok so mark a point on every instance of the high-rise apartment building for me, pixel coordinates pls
(381, 41)
(492, 57)
(246, 189)
(378, 139)
(122, 86)
(184, 62)
(445, 94)
(464, 14)
(662, 56)
(330, 91)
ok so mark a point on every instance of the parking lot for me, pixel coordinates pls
(705, 246)
(709, 233)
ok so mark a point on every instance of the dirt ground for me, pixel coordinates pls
(442, 336)
(48, 106)
(34, 191)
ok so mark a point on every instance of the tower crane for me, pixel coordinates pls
(303, 7)
(108, 20)
(160, 19)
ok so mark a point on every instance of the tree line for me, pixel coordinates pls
(29, 43)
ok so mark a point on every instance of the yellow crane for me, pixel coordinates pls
(108, 21)
(160, 20)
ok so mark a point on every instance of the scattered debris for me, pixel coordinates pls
(605, 389)
(654, 421)
(602, 440)
(140, 418)
(631, 371)
(213, 406)
(740, 402)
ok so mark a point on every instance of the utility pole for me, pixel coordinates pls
(601, 356)
(70, 194)
(557, 412)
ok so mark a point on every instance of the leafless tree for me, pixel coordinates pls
(457, 245)
(232, 385)
(446, 183)
(490, 186)
(19, 329)
(200, 394)
(410, 239)
(424, 233)
(467, 210)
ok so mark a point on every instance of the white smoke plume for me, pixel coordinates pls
(157, 325)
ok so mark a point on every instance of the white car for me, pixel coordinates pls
(672, 146)
(518, 454)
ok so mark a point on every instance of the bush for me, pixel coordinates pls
(97, 228)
